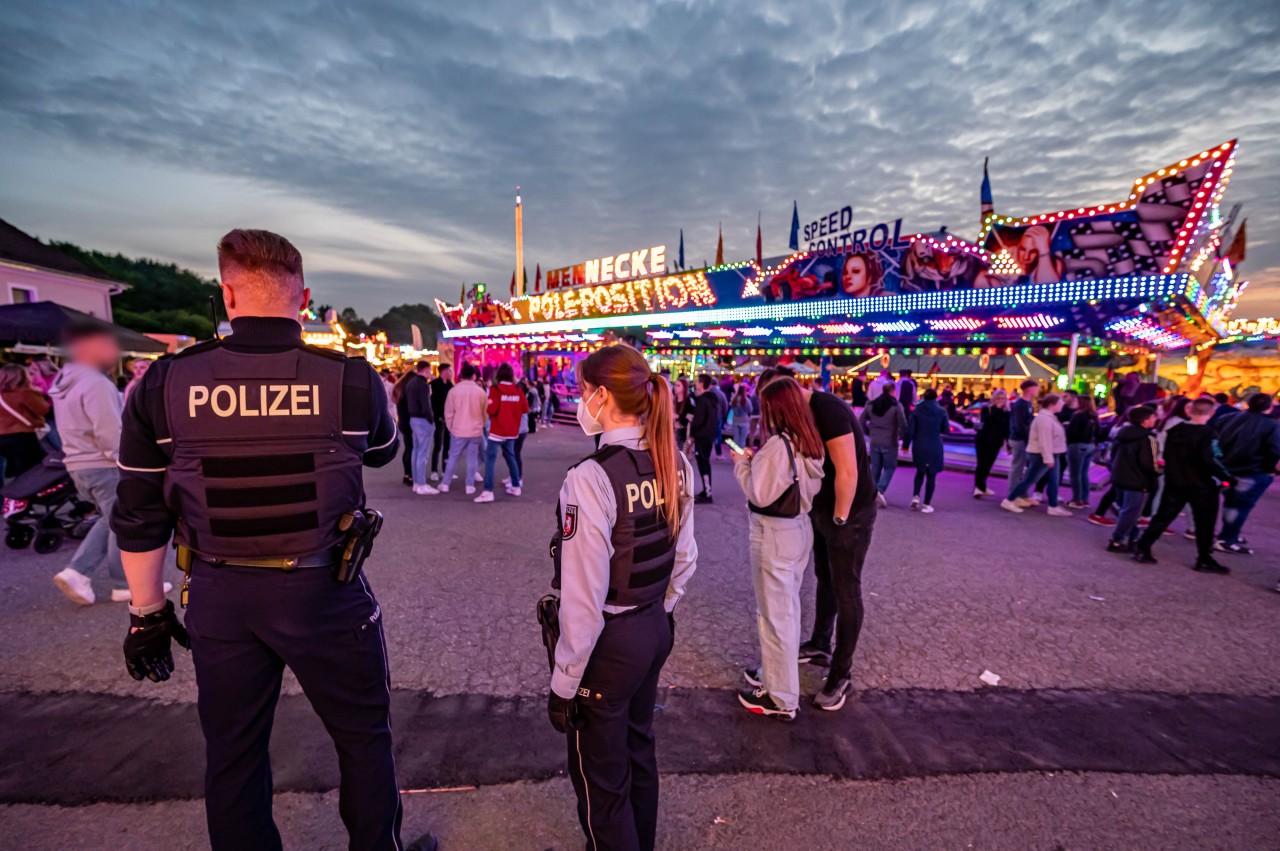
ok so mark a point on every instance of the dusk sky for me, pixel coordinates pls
(386, 138)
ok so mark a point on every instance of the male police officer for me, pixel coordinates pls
(249, 451)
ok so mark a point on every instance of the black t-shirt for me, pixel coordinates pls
(834, 418)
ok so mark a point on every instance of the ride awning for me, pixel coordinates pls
(40, 323)
(1017, 366)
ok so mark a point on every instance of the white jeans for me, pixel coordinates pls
(780, 550)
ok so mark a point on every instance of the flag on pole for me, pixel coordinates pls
(720, 247)
(794, 244)
(1235, 253)
(513, 283)
(680, 262)
(537, 278)
(462, 294)
(759, 242)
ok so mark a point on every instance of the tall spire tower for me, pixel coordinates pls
(519, 288)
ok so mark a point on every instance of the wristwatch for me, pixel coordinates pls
(839, 521)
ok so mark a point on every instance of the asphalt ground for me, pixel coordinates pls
(1070, 629)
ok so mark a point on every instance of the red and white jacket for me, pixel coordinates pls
(507, 404)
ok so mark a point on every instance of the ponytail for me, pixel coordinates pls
(639, 391)
(660, 432)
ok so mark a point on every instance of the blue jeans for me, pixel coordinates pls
(1036, 471)
(98, 486)
(457, 446)
(1239, 501)
(424, 434)
(884, 461)
(1079, 458)
(508, 448)
(1130, 504)
(741, 430)
(1017, 464)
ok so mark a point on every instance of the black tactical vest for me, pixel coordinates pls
(644, 553)
(259, 468)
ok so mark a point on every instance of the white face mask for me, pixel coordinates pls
(589, 423)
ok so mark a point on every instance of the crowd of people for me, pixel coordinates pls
(469, 423)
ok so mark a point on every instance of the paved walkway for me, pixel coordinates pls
(1106, 666)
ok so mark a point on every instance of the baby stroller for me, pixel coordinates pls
(41, 505)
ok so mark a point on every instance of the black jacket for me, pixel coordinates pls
(1250, 443)
(993, 427)
(439, 393)
(1082, 428)
(1021, 413)
(1192, 460)
(1133, 459)
(417, 394)
(706, 415)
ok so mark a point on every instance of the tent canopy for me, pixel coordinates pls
(40, 323)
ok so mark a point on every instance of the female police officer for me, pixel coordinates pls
(625, 552)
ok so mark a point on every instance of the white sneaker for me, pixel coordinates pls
(442, 489)
(1010, 505)
(926, 509)
(77, 586)
(978, 493)
(471, 489)
(485, 496)
(506, 482)
(479, 478)
(513, 491)
(435, 477)
(1025, 502)
(988, 492)
(1035, 499)
(915, 503)
(122, 595)
(425, 490)
(1059, 511)
(881, 501)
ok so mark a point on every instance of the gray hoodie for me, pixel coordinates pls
(87, 405)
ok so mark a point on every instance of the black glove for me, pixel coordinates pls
(563, 713)
(147, 646)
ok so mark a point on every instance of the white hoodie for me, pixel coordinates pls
(86, 407)
(765, 476)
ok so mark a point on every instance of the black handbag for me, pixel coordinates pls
(787, 505)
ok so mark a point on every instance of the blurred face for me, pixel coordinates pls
(1149, 422)
(140, 367)
(854, 278)
(1031, 393)
(99, 351)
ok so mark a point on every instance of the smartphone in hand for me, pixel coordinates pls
(735, 448)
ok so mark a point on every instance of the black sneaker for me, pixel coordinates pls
(408, 480)
(1235, 549)
(1143, 556)
(760, 702)
(425, 842)
(702, 498)
(814, 655)
(754, 678)
(1117, 547)
(833, 695)
(1209, 565)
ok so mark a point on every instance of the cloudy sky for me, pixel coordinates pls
(386, 138)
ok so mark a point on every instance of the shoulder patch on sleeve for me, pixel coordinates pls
(569, 525)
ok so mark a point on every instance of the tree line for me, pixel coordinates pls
(164, 298)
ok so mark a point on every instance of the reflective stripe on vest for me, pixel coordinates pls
(259, 466)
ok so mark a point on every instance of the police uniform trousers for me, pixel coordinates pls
(612, 762)
(246, 625)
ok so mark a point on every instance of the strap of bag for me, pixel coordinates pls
(17, 416)
(791, 456)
